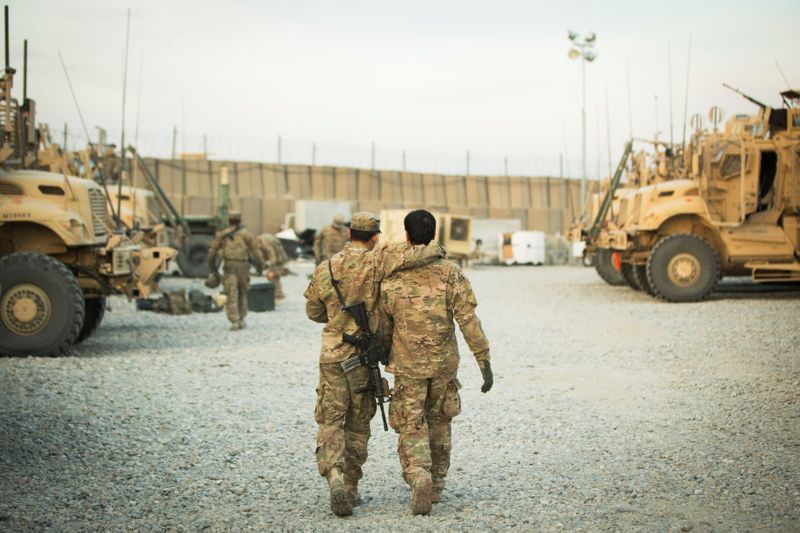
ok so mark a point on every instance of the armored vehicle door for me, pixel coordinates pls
(731, 180)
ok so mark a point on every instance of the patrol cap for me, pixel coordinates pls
(338, 219)
(365, 221)
(234, 215)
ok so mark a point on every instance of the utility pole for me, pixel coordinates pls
(65, 137)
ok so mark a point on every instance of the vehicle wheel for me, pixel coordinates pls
(41, 305)
(640, 274)
(683, 268)
(193, 256)
(606, 265)
(95, 311)
(627, 275)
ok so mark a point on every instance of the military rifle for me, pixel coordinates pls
(370, 351)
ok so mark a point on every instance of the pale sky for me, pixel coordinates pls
(433, 78)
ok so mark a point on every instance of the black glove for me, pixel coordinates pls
(488, 377)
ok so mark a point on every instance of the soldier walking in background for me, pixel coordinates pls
(276, 259)
(234, 246)
(419, 305)
(330, 240)
(343, 412)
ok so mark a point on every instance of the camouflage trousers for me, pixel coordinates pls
(275, 277)
(235, 284)
(343, 416)
(420, 412)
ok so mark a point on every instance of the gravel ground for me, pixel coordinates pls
(610, 411)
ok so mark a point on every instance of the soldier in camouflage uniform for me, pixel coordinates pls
(330, 240)
(343, 413)
(419, 305)
(234, 247)
(276, 259)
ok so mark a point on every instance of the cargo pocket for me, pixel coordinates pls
(318, 408)
(396, 418)
(451, 406)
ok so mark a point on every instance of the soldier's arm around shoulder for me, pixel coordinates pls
(462, 301)
(395, 257)
(315, 307)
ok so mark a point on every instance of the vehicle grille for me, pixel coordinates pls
(99, 213)
(636, 208)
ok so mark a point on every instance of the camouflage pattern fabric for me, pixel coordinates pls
(234, 243)
(343, 416)
(359, 272)
(235, 284)
(420, 412)
(235, 246)
(329, 241)
(419, 305)
(276, 259)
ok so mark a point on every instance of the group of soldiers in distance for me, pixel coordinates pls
(412, 297)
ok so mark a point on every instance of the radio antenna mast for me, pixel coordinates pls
(686, 97)
(124, 94)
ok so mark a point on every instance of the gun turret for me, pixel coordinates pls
(750, 98)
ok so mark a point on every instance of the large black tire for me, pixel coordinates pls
(193, 256)
(95, 311)
(41, 305)
(640, 275)
(607, 269)
(683, 268)
(629, 277)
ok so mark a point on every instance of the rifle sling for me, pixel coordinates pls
(335, 283)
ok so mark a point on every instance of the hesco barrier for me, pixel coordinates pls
(266, 192)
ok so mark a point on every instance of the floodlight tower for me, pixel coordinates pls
(583, 48)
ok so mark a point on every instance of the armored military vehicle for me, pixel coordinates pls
(736, 214)
(58, 256)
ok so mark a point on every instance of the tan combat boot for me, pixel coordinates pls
(234, 326)
(352, 495)
(340, 503)
(421, 492)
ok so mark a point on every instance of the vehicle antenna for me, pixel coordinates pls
(686, 97)
(124, 94)
(74, 98)
(88, 138)
(669, 67)
(783, 75)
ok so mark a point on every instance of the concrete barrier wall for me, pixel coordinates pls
(265, 192)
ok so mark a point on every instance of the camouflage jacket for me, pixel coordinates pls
(359, 272)
(272, 249)
(329, 241)
(419, 306)
(234, 243)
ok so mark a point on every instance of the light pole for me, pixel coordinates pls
(583, 48)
